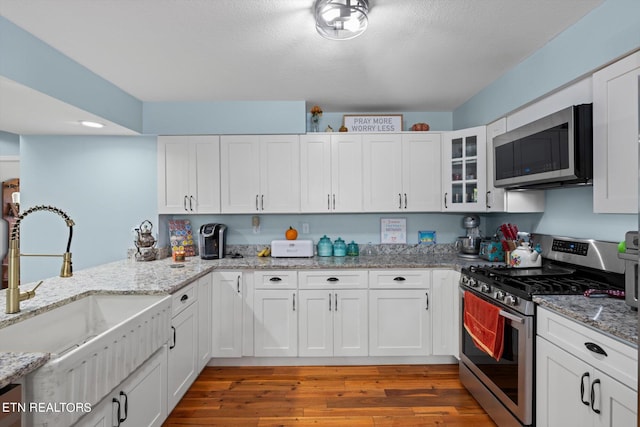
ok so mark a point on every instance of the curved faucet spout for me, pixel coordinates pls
(14, 296)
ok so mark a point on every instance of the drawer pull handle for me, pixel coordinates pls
(174, 339)
(184, 297)
(595, 348)
(275, 279)
(399, 279)
(333, 279)
(585, 375)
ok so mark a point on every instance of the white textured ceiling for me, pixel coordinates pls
(417, 55)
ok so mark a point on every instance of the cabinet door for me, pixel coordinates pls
(316, 323)
(618, 403)
(227, 312)
(562, 386)
(464, 170)
(182, 354)
(421, 172)
(204, 320)
(346, 173)
(445, 312)
(276, 322)
(144, 392)
(280, 173)
(615, 137)
(173, 174)
(350, 325)
(399, 322)
(240, 173)
(382, 173)
(204, 193)
(315, 173)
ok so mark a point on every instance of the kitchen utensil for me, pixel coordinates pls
(145, 238)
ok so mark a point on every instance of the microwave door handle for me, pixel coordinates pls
(511, 317)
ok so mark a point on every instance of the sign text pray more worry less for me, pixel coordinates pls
(373, 123)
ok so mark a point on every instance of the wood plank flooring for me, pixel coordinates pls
(394, 395)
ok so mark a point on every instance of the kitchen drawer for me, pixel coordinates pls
(399, 279)
(332, 279)
(275, 279)
(621, 361)
(183, 298)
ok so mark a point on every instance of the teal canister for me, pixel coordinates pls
(352, 249)
(339, 247)
(325, 248)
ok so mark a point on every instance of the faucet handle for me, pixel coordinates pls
(30, 294)
(67, 268)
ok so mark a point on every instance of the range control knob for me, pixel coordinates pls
(500, 295)
(511, 300)
(473, 282)
(485, 288)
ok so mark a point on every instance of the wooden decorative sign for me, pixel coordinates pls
(373, 123)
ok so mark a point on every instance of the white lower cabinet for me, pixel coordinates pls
(227, 303)
(445, 313)
(399, 313)
(140, 401)
(576, 386)
(275, 314)
(183, 346)
(205, 320)
(333, 313)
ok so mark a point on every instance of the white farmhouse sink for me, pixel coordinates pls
(95, 343)
(65, 329)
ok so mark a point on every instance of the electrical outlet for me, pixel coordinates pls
(305, 228)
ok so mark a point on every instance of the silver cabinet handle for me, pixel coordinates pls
(257, 203)
(238, 284)
(336, 304)
(405, 200)
(445, 201)
(328, 202)
(334, 202)
(191, 203)
(184, 203)
(399, 201)
(262, 202)
(487, 200)
(294, 301)
(329, 301)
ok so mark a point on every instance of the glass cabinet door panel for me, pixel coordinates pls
(471, 146)
(457, 171)
(456, 148)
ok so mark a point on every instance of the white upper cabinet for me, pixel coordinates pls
(331, 173)
(615, 137)
(260, 173)
(464, 170)
(401, 172)
(499, 199)
(188, 174)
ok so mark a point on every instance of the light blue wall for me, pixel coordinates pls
(9, 144)
(29, 61)
(107, 185)
(608, 32)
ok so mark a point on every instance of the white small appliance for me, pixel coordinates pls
(292, 248)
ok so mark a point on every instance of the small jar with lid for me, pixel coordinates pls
(352, 249)
(339, 247)
(325, 248)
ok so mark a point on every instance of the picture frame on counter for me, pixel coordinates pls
(372, 123)
(393, 231)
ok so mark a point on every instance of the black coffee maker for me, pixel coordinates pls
(212, 241)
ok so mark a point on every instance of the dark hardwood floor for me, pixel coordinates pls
(394, 395)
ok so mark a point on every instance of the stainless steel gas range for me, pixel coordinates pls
(505, 387)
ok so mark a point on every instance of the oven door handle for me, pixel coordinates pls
(511, 317)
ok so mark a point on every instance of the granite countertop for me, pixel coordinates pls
(163, 277)
(609, 315)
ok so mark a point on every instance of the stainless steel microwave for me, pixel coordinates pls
(554, 151)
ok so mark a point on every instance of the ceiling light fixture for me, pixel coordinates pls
(341, 19)
(90, 124)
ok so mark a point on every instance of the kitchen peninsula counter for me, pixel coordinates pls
(165, 276)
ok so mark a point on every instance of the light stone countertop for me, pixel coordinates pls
(159, 277)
